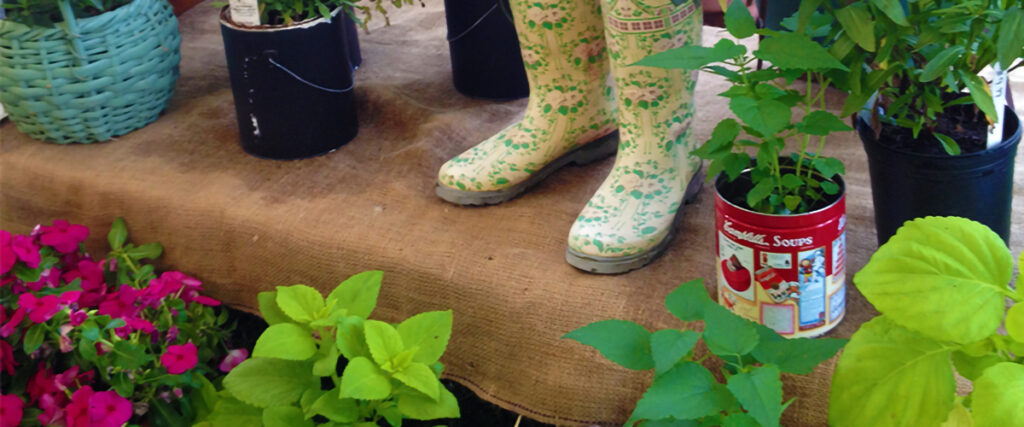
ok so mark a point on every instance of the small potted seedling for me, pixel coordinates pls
(780, 217)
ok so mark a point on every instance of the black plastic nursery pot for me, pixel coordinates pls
(977, 186)
(486, 62)
(787, 272)
(292, 85)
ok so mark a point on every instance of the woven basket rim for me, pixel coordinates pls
(120, 9)
(226, 21)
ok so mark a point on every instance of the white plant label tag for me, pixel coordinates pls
(245, 12)
(995, 132)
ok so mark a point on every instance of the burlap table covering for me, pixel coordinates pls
(245, 225)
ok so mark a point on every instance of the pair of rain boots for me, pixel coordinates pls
(575, 115)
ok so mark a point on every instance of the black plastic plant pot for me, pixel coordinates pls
(292, 86)
(977, 186)
(486, 62)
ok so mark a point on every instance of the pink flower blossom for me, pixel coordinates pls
(233, 358)
(49, 278)
(11, 407)
(41, 383)
(172, 334)
(52, 412)
(78, 317)
(39, 309)
(64, 379)
(179, 358)
(64, 237)
(205, 300)
(7, 363)
(133, 324)
(120, 304)
(76, 413)
(7, 255)
(65, 342)
(8, 328)
(27, 251)
(109, 409)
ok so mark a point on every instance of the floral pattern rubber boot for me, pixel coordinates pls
(631, 218)
(570, 116)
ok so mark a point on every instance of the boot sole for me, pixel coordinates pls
(619, 265)
(585, 154)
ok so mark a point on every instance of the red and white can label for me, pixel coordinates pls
(785, 272)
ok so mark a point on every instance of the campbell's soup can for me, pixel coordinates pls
(787, 272)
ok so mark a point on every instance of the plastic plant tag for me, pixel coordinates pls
(245, 12)
(995, 131)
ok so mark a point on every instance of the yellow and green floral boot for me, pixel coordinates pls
(631, 218)
(570, 116)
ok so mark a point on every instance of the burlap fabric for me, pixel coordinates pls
(245, 225)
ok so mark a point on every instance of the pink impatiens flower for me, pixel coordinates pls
(109, 409)
(233, 358)
(52, 412)
(7, 363)
(179, 358)
(27, 251)
(7, 255)
(8, 328)
(39, 309)
(10, 410)
(63, 237)
(77, 412)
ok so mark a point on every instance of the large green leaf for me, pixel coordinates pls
(687, 302)
(1011, 37)
(693, 57)
(419, 407)
(621, 341)
(940, 64)
(727, 334)
(684, 392)
(430, 332)
(959, 416)
(856, 20)
(891, 376)
(351, 339)
(357, 294)
(796, 355)
(893, 9)
(767, 116)
(285, 341)
(285, 416)
(790, 51)
(265, 382)
(383, 341)
(760, 393)
(335, 408)
(972, 367)
(1015, 322)
(945, 277)
(821, 123)
(300, 302)
(231, 412)
(980, 93)
(998, 397)
(118, 234)
(271, 313)
(738, 20)
(364, 380)
(669, 346)
(421, 378)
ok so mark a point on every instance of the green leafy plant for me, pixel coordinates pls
(391, 371)
(684, 393)
(918, 60)
(763, 101)
(288, 12)
(48, 12)
(941, 284)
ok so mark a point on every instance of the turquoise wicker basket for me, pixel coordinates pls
(90, 79)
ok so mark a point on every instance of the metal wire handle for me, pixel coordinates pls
(307, 82)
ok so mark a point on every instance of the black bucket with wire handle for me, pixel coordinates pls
(292, 86)
(486, 62)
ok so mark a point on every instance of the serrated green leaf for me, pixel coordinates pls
(336, 409)
(959, 417)
(269, 310)
(420, 378)
(735, 164)
(326, 363)
(285, 341)
(739, 419)
(309, 397)
(363, 380)
(738, 21)
(231, 412)
(669, 346)
(941, 63)
(684, 392)
(821, 123)
(383, 341)
(795, 355)
(760, 191)
(791, 51)
(888, 375)
(980, 94)
(1015, 322)
(118, 234)
(804, 13)
(693, 57)
(350, 338)
(430, 332)
(1010, 39)
(727, 334)
(357, 294)
(621, 341)
(759, 391)
(419, 407)
(945, 277)
(767, 116)
(129, 356)
(893, 9)
(972, 367)
(146, 251)
(285, 416)
(791, 181)
(688, 301)
(264, 382)
(997, 396)
(857, 22)
(301, 303)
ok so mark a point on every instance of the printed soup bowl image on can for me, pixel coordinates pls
(786, 272)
